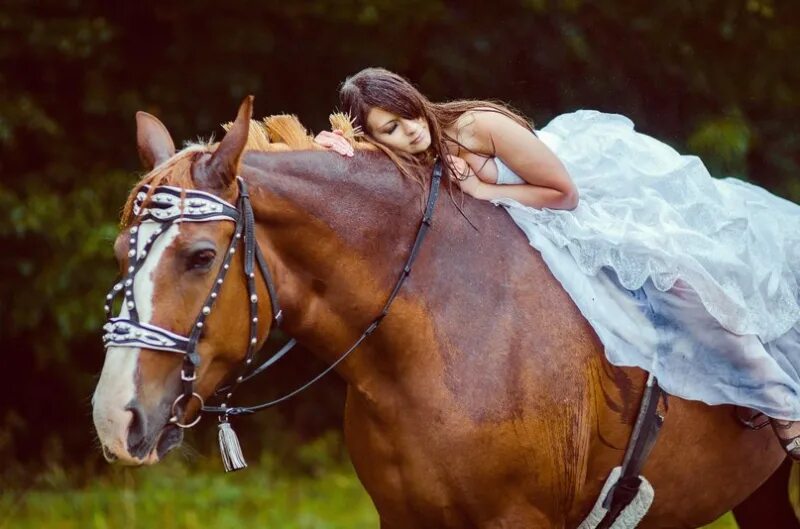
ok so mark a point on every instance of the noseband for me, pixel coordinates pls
(171, 205)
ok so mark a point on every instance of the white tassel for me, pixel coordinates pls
(232, 457)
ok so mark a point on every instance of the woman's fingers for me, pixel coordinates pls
(334, 141)
(344, 150)
(326, 138)
(339, 143)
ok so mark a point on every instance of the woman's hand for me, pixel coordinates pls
(464, 175)
(334, 141)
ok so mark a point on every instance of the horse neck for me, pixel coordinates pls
(336, 234)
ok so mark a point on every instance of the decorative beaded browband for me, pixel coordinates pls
(167, 205)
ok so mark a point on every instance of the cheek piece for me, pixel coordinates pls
(171, 205)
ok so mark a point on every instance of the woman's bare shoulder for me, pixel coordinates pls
(469, 128)
(476, 128)
(469, 119)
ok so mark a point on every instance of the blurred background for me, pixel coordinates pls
(716, 78)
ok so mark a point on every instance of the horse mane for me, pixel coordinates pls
(276, 133)
(284, 132)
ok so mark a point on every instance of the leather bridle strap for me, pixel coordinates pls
(252, 253)
(288, 346)
(278, 318)
(224, 411)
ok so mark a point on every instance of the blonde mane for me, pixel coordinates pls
(284, 132)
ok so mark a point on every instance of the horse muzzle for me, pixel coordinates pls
(133, 437)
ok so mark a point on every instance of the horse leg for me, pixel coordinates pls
(769, 505)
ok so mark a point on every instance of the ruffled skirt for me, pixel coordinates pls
(692, 278)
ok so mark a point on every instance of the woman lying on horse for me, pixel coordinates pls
(683, 275)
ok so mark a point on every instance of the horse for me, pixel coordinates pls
(484, 400)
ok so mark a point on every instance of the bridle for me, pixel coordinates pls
(169, 205)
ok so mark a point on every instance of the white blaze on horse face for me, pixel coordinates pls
(143, 285)
(117, 385)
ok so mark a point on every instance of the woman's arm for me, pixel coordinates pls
(527, 194)
(550, 184)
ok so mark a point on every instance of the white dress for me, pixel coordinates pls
(692, 278)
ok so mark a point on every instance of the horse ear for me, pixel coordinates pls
(153, 140)
(220, 171)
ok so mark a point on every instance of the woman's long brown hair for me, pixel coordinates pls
(378, 87)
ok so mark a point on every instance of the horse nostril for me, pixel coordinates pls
(137, 431)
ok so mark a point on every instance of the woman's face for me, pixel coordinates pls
(398, 133)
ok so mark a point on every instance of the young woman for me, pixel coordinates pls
(692, 278)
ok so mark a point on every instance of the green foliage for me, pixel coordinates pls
(725, 522)
(724, 141)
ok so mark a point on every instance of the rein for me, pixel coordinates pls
(170, 205)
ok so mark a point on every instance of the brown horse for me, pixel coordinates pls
(484, 400)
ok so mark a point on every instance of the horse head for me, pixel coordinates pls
(179, 236)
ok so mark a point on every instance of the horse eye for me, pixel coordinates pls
(201, 259)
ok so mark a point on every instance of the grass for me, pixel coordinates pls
(171, 500)
(177, 495)
(179, 498)
(198, 495)
(726, 522)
